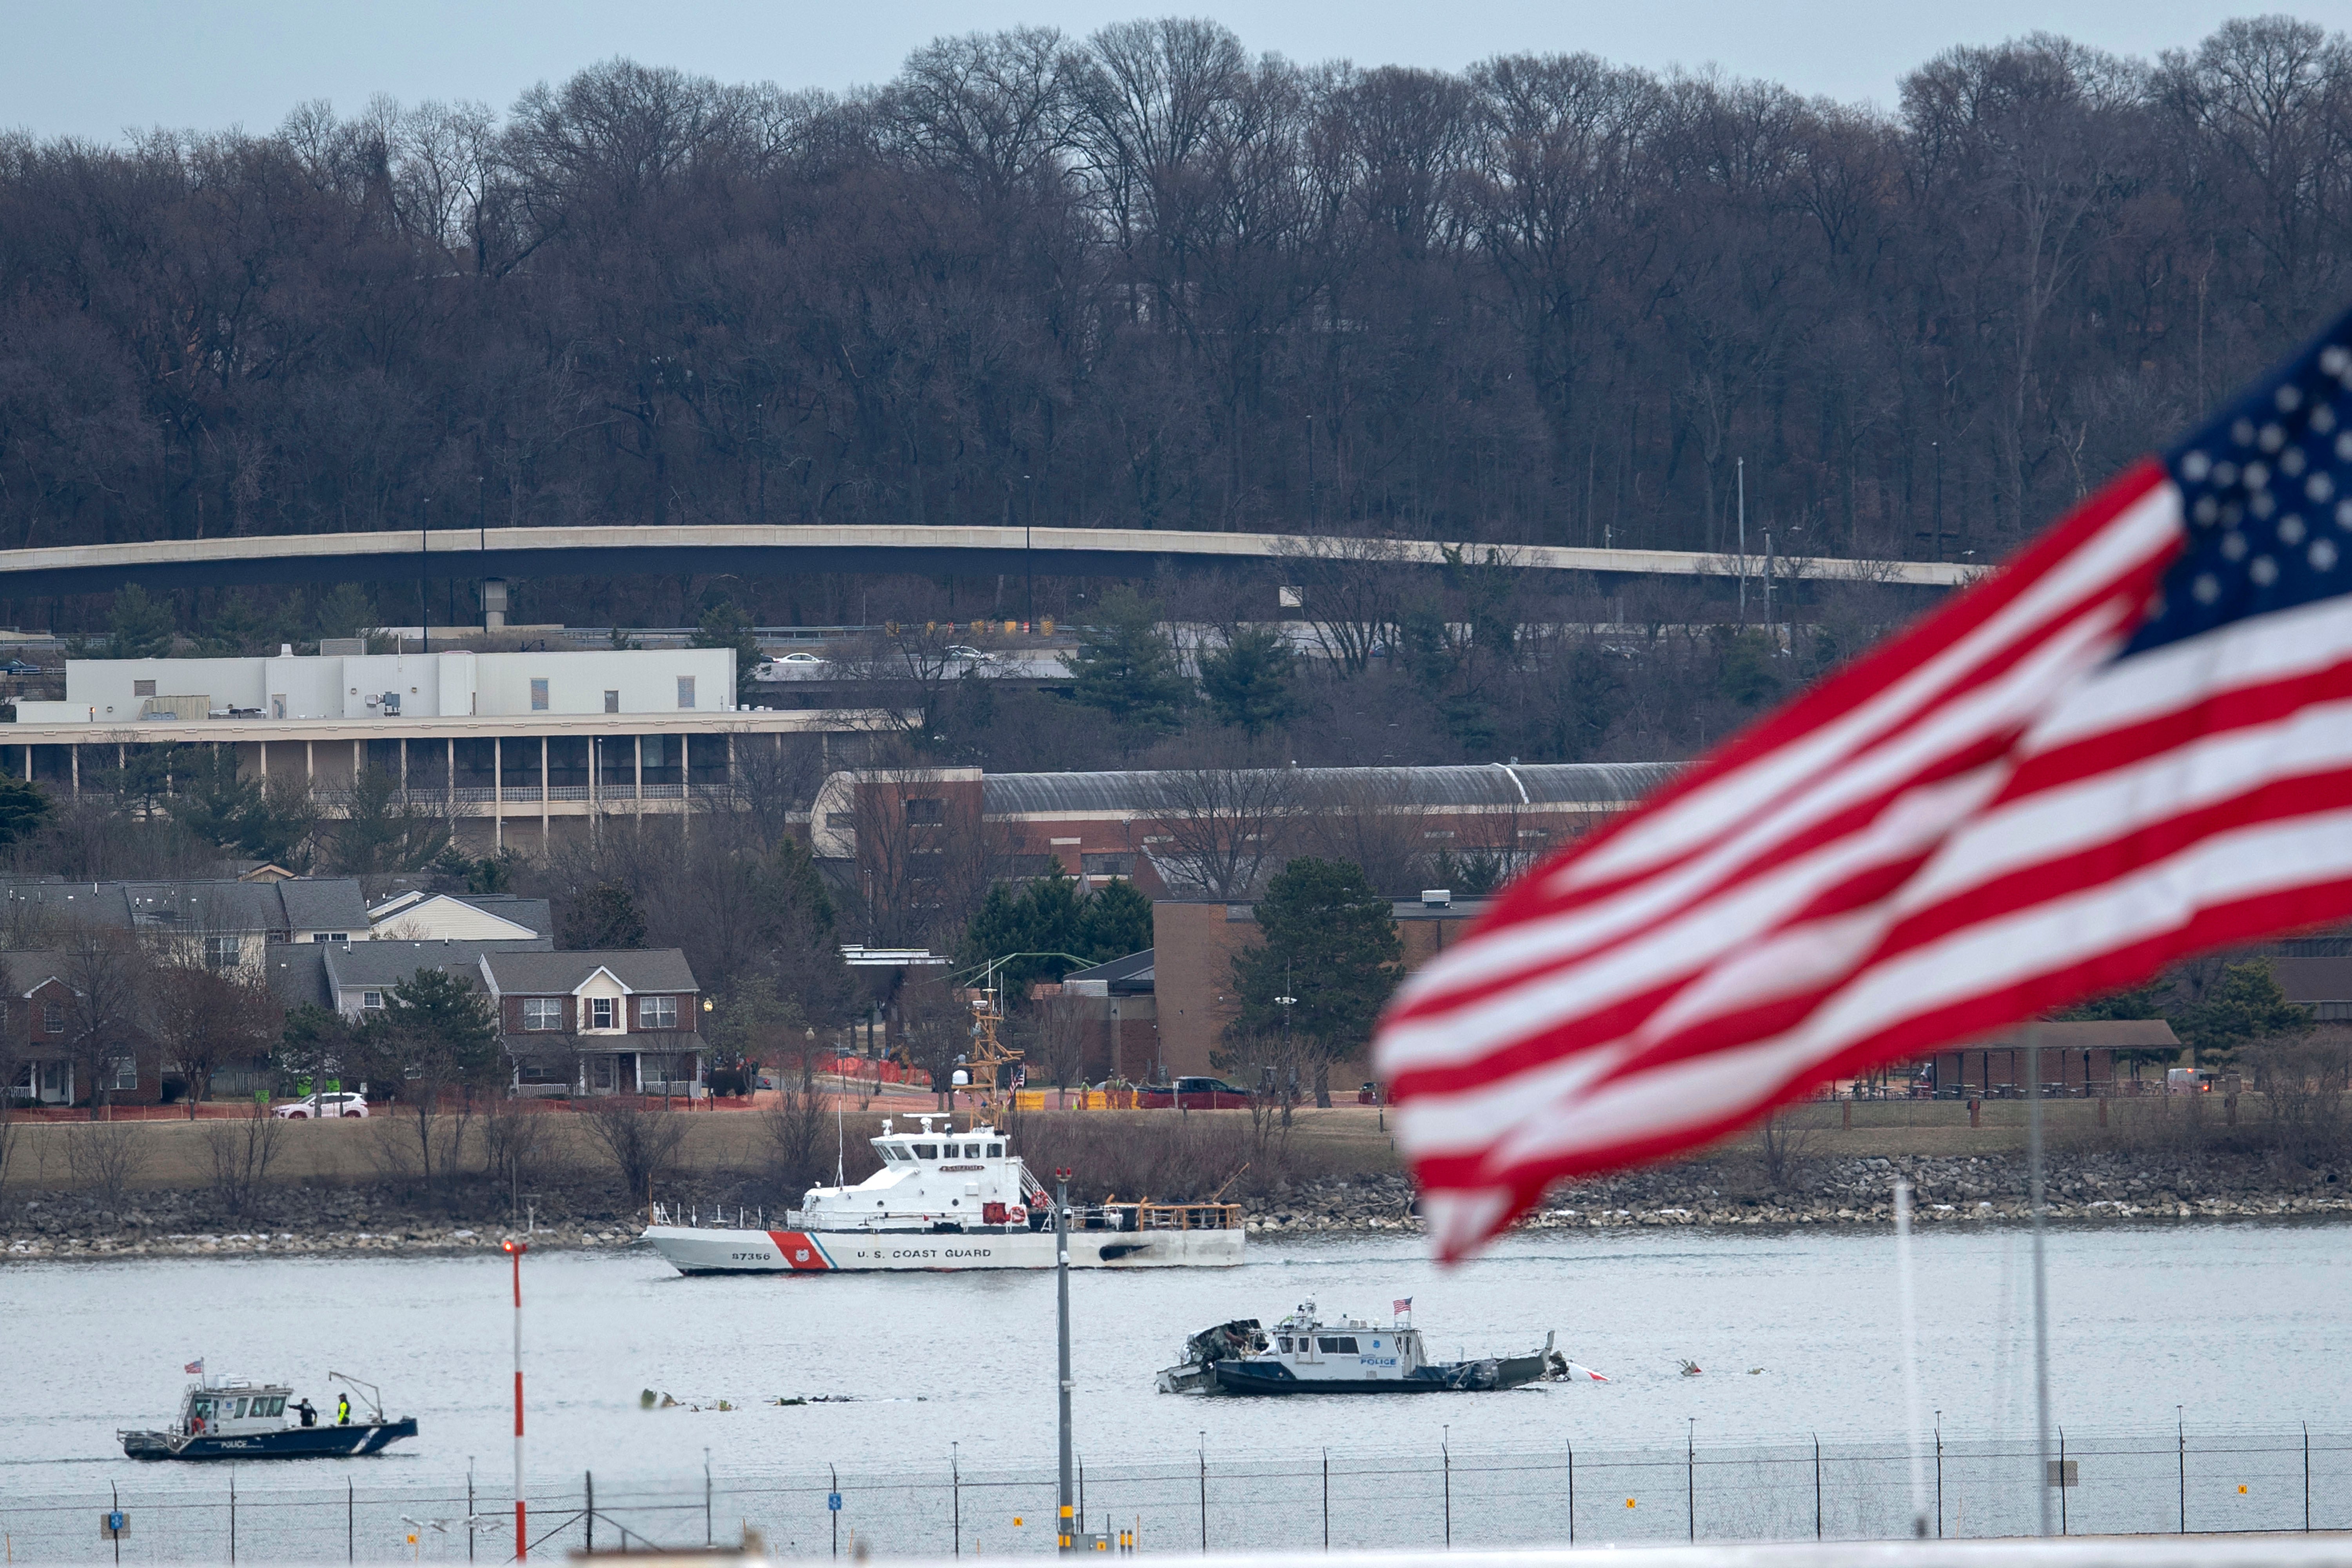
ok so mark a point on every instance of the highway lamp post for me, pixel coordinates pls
(1282, 1090)
(1062, 1283)
(515, 1249)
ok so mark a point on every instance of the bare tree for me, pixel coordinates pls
(241, 1149)
(640, 1142)
(106, 1158)
(106, 1015)
(1352, 592)
(1222, 829)
(204, 1019)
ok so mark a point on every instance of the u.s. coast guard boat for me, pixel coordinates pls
(1304, 1355)
(947, 1199)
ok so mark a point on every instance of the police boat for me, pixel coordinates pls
(1304, 1355)
(234, 1419)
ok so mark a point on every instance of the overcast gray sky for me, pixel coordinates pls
(95, 68)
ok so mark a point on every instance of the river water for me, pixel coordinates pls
(2238, 1323)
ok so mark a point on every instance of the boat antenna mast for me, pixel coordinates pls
(375, 1395)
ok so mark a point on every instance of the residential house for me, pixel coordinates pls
(599, 1023)
(40, 1029)
(222, 922)
(418, 916)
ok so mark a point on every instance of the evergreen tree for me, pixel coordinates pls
(2244, 1004)
(1331, 943)
(346, 612)
(383, 830)
(1248, 682)
(724, 625)
(604, 917)
(233, 627)
(1114, 922)
(23, 806)
(1126, 667)
(138, 626)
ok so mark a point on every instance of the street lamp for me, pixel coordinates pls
(515, 1249)
(1288, 1066)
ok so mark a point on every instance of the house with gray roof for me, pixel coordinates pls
(599, 1023)
(220, 921)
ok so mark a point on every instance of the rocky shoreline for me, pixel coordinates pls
(2097, 1188)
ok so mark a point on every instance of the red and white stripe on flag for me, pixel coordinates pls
(2132, 742)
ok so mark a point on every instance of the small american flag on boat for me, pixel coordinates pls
(1401, 1307)
(2131, 744)
(196, 1365)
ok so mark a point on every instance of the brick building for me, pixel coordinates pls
(898, 826)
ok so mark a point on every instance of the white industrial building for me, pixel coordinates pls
(509, 743)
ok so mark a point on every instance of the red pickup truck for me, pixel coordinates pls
(1192, 1094)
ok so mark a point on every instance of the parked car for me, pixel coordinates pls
(802, 657)
(967, 655)
(19, 668)
(1193, 1094)
(320, 1106)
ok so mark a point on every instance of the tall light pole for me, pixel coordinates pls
(1289, 1067)
(1062, 1273)
(515, 1249)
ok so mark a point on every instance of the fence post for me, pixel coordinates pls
(707, 1540)
(1204, 1470)
(2307, 1478)
(1571, 1494)
(2061, 1481)
(1327, 1492)
(588, 1511)
(1690, 1477)
(470, 1514)
(1817, 1486)
(2180, 1430)
(232, 1515)
(1940, 1475)
(832, 1513)
(1445, 1451)
(955, 1486)
(351, 1524)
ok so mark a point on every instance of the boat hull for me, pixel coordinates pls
(693, 1249)
(294, 1443)
(1485, 1376)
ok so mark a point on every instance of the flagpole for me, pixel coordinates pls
(1910, 1355)
(2041, 1283)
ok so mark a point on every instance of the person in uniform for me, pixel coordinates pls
(309, 1412)
(343, 1409)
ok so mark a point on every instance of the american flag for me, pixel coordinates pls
(196, 1365)
(1399, 1307)
(2130, 743)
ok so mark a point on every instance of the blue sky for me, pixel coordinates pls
(97, 67)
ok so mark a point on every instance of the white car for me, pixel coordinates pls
(971, 655)
(324, 1106)
(799, 659)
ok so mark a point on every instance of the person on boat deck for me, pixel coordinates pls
(343, 1410)
(308, 1411)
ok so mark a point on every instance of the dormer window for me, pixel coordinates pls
(600, 1012)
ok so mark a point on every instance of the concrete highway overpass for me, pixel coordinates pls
(755, 552)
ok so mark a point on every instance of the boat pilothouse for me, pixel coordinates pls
(1304, 1355)
(234, 1419)
(934, 1180)
(950, 1199)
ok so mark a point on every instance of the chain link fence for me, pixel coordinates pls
(2114, 1482)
